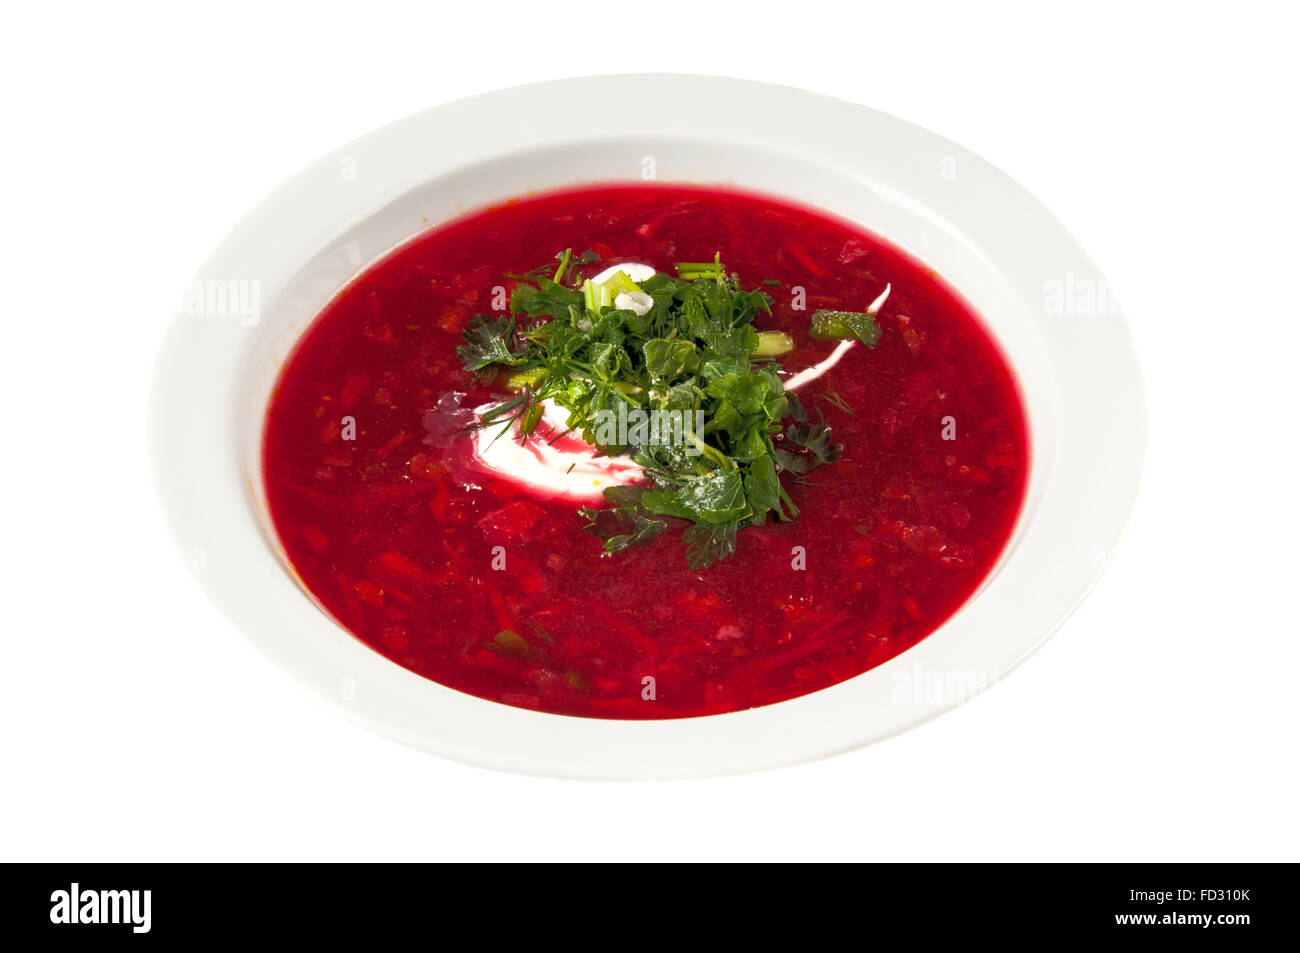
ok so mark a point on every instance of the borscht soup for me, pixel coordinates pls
(644, 451)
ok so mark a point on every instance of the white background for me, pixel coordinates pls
(1160, 723)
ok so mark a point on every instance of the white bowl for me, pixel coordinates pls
(1040, 295)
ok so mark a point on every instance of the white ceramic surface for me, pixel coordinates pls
(1041, 296)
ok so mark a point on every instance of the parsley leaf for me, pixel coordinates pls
(487, 340)
(706, 544)
(807, 446)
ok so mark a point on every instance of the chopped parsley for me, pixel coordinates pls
(685, 347)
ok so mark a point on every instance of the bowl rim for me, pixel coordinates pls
(1082, 488)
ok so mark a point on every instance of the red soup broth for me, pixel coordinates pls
(890, 541)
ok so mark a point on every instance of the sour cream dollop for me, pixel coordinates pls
(549, 461)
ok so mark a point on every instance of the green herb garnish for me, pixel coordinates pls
(831, 325)
(838, 402)
(689, 388)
